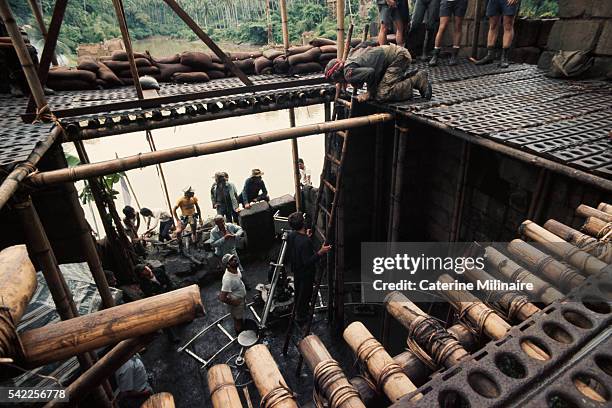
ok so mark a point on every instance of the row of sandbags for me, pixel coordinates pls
(190, 67)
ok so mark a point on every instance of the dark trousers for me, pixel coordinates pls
(164, 230)
(303, 294)
(229, 213)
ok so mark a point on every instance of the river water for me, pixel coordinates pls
(273, 159)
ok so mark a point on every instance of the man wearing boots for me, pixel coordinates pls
(495, 10)
(385, 70)
(448, 8)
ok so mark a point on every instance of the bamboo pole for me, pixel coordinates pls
(274, 391)
(17, 280)
(284, 26)
(61, 340)
(605, 207)
(167, 155)
(586, 212)
(125, 34)
(510, 270)
(427, 333)
(328, 376)
(513, 304)
(602, 250)
(379, 363)
(159, 400)
(556, 245)
(29, 70)
(296, 170)
(596, 227)
(102, 369)
(476, 32)
(564, 277)
(340, 28)
(396, 195)
(223, 392)
(36, 10)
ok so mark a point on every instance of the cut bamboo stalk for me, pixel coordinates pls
(465, 336)
(160, 400)
(602, 250)
(17, 280)
(513, 304)
(268, 379)
(509, 269)
(586, 212)
(446, 351)
(564, 277)
(329, 377)
(223, 392)
(605, 207)
(596, 227)
(563, 249)
(61, 340)
(378, 362)
(284, 27)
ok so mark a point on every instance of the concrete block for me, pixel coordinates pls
(545, 28)
(258, 225)
(602, 8)
(604, 45)
(527, 32)
(575, 8)
(571, 35)
(286, 204)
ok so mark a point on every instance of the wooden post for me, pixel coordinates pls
(223, 392)
(596, 227)
(396, 195)
(476, 32)
(17, 280)
(58, 341)
(284, 26)
(602, 250)
(586, 211)
(328, 376)
(605, 207)
(514, 304)
(299, 206)
(36, 10)
(159, 400)
(340, 28)
(388, 375)
(102, 369)
(509, 269)
(556, 245)
(444, 349)
(268, 379)
(564, 277)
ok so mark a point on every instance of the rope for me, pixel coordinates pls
(220, 387)
(573, 251)
(427, 333)
(276, 395)
(478, 326)
(325, 374)
(605, 233)
(366, 350)
(566, 276)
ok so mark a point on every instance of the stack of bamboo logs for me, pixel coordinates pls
(274, 391)
(223, 392)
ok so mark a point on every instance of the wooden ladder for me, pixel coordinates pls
(329, 191)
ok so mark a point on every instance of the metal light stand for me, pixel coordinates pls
(278, 267)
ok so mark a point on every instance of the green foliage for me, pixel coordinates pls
(539, 8)
(108, 182)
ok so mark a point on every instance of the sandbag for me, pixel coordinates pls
(298, 49)
(148, 82)
(108, 76)
(570, 64)
(242, 55)
(329, 48)
(67, 74)
(215, 74)
(309, 56)
(267, 71)
(199, 61)
(214, 58)
(272, 53)
(101, 83)
(88, 63)
(70, 84)
(305, 68)
(117, 66)
(356, 41)
(122, 55)
(247, 66)
(262, 63)
(319, 42)
(216, 66)
(169, 59)
(190, 77)
(141, 71)
(166, 70)
(325, 58)
(281, 65)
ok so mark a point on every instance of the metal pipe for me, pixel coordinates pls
(162, 156)
(599, 182)
(37, 11)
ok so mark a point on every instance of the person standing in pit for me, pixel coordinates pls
(233, 291)
(190, 213)
(224, 197)
(448, 8)
(495, 10)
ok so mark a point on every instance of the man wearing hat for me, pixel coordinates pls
(233, 291)
(386, 71)
(190, 213)
(252, 188)
(224, 197)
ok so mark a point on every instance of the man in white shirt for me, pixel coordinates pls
(305, 179)
(132, 383)
(156, 217)
(233, 291)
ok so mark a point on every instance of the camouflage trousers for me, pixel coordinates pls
(393, 86)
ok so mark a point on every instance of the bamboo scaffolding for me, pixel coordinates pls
(17, 280)
(162, 156)
(513, 304)
(605, 207)
(510, 270)
(274, 391)
(568, 252)
(223, 392)
(58, 341)
(37, 11)
(597, 228)
(284, 26)
(562, 276)
(602, 250)
(586, 212)
(340, 28)
(425, 335)
(159, 400)
(387, 374)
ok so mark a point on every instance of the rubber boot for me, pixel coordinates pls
(420, 82)
(453, 59)
(489, 58)
(434, 58)
(504, 63)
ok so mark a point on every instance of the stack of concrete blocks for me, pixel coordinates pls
(583, 25)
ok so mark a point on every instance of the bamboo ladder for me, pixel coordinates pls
(330, 188)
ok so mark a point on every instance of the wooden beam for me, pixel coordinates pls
(38, 15)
